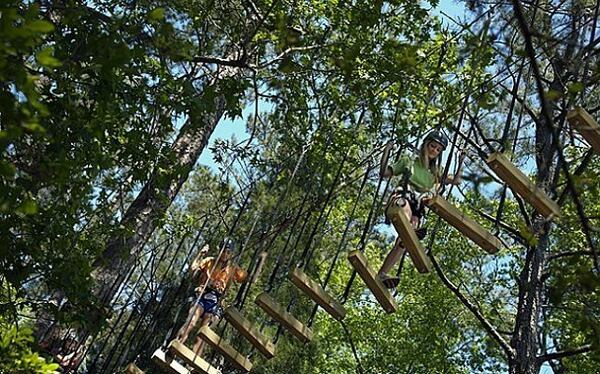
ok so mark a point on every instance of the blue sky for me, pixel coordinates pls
(228, 128)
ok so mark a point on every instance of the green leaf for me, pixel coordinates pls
(157, 14)
(40, 26)
(528, 234)
(7, 169)
(287, 66)
(28, 207)
(575, 87)
(553, 95)
(46, 59)
(35, 127)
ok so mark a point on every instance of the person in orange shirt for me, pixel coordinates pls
(216, 275)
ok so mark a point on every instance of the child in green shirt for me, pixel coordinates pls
(418, 178)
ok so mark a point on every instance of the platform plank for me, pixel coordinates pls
(289, 322)
(409, 238)
(523, 186)
(369, 276)
(465, 224)
(167, 363)
(586, 125)
(317, 293)
(238, 360)
(200, 365)
(133, 369)
(252, 334)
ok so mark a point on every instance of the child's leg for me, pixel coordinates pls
(194, 315)
(198, 345)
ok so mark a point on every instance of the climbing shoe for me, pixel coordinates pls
(421, 232)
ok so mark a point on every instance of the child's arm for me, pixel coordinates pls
(457, 177)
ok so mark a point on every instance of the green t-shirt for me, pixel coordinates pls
(419, 176)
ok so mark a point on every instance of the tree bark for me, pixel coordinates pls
(525, 339)
(144, 214)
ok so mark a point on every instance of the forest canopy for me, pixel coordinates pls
(107, 106)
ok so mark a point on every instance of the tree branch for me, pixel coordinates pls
(568, 254)
(221, 61)
(487, 325)
(291, 50)
(521, 101)
(507, 227)
(565, 353)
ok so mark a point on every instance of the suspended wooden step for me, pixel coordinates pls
(586, 125)
(369, 276)
(317, 293)
(200, 365)
(168, 363)
(523, 186)
(238, 360)
(409, 238)
(133, 369)
(464, 224)
(289, 322)
(255, 337)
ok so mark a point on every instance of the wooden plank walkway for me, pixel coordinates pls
(251, 333)
(409, 238)
(168, 363)
(238, 360)
(133, 369)
(317, 294)
(176, 348)
(523, 186)
(464, 224)
(289, 322)
(369, 276)
(586, 125)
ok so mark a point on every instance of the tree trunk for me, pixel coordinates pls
(149, 207)
(525, 340)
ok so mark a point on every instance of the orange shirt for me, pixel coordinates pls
(220, 277)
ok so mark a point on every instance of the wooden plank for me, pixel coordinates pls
(464, 224)
(191, 358)
(236, 358)
(586, 125)
(317, 293)
(255, 337)
(133, 369)
(369, 276)
(409, 238)
(168, 363)
(289, 322)
(523, 186)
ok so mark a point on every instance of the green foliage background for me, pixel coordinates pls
(92, 96)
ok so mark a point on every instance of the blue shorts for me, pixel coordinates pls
(209, 301)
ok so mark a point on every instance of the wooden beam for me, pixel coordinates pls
(289, 322)
(168, 363)
(369, 276)
(191, 358)
(255, 337)
(133, 369)
(586, 125)
(464, 224)
(409, 238)
(238, 360)
(317, 293)
(523, 186)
